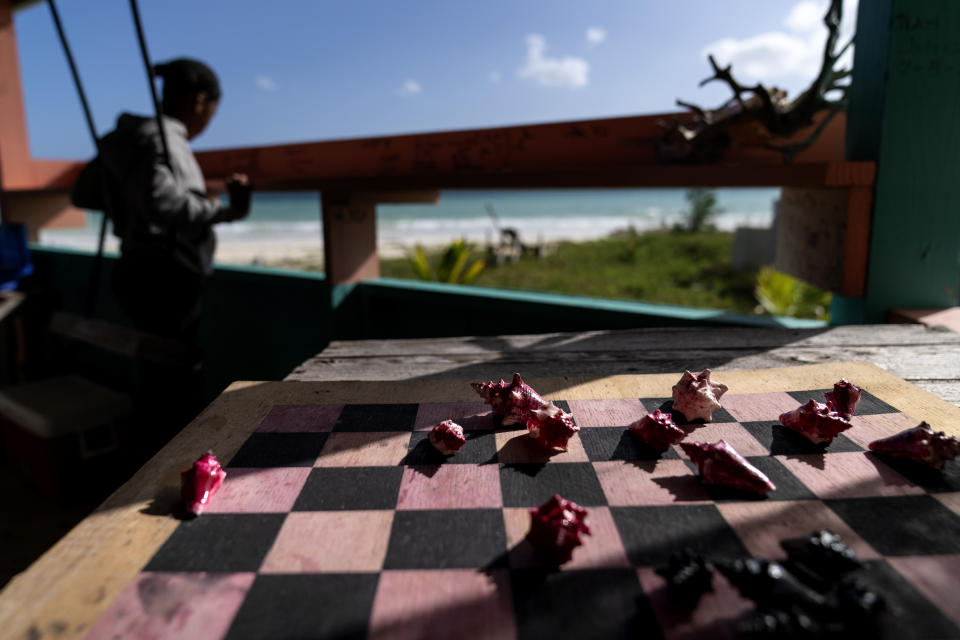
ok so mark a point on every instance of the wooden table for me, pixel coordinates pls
(928, 357)
(71, 586)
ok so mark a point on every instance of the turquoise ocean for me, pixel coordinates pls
(279, 220)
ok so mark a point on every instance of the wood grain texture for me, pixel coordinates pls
(68, 588)
(926, 356)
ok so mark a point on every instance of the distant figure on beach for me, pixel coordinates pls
(160, 208)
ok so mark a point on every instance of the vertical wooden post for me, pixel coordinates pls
(349, 237)
(915, 69)
(15, 162)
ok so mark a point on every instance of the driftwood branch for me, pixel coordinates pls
(706, 136)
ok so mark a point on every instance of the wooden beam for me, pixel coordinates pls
(349, 237)
(15, 165)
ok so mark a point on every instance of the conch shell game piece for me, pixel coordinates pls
(200, 483)
(658, 430)
(719, 463)
(696, 396)
(844, 398)
(518, 403)
(815, 420)
(920, 444)
(447, 437)
(557, 528)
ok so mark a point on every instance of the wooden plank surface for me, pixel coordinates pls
(72, 585)
(926, 356)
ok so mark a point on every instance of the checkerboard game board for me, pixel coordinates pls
(340, 520)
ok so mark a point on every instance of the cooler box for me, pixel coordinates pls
(53, 429)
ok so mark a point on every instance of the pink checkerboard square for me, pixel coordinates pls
(475, 605)
(762, 525)
(450, 486)
(301, 418)
(715, 616)
(615, 412)
(517, 447)
(272, 490)
(936, 577)
(866, 429)
(649, 482)
(848, 475)
(731, 432)
(754, 407)
(601, 549)
(364, 449)
(330, 542)
(469, 415)
(174, 605)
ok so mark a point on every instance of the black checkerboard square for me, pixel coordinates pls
(306, 606)
(907, 614)
(616, 443)
(666, 405)
(781, 441)
(377, 417)
(902, 525)
(651, 534)
(944, 480)
(480, 448)
(215, 542)
(869, 404)
(555, 604)
(351, 488)
(279, 450)
(446, 539)
(788, 486)
(530, 485)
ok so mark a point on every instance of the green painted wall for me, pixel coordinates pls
(259, 323)
(904, 115)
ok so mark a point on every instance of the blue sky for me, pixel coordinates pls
(303, 70)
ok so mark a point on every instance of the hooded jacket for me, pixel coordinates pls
(157, 210)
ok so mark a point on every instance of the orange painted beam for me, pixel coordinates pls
(16, 168)
(521, 156)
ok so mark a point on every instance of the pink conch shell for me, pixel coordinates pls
(920, 444)
(517, 402)
(719, 463)
(447, 437)
(658, 430)
(513, 401)
(844, 398)
(200, 483)
(696, 396)
(816, 421)
(557, 527)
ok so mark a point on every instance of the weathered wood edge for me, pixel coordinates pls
(71, 585)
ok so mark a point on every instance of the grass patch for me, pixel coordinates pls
(689, 269)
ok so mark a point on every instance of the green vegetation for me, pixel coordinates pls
(451, 266)
(691, 269)
(783, 295)
(703, 207)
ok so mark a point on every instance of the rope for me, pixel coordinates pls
(94, 284)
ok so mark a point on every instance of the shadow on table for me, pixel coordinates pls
(596, 355)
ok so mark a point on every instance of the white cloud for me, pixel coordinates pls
(796, 51)
(596, 35)
(494, 77)
(567, 72)
(265, 82)
(411, 88)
